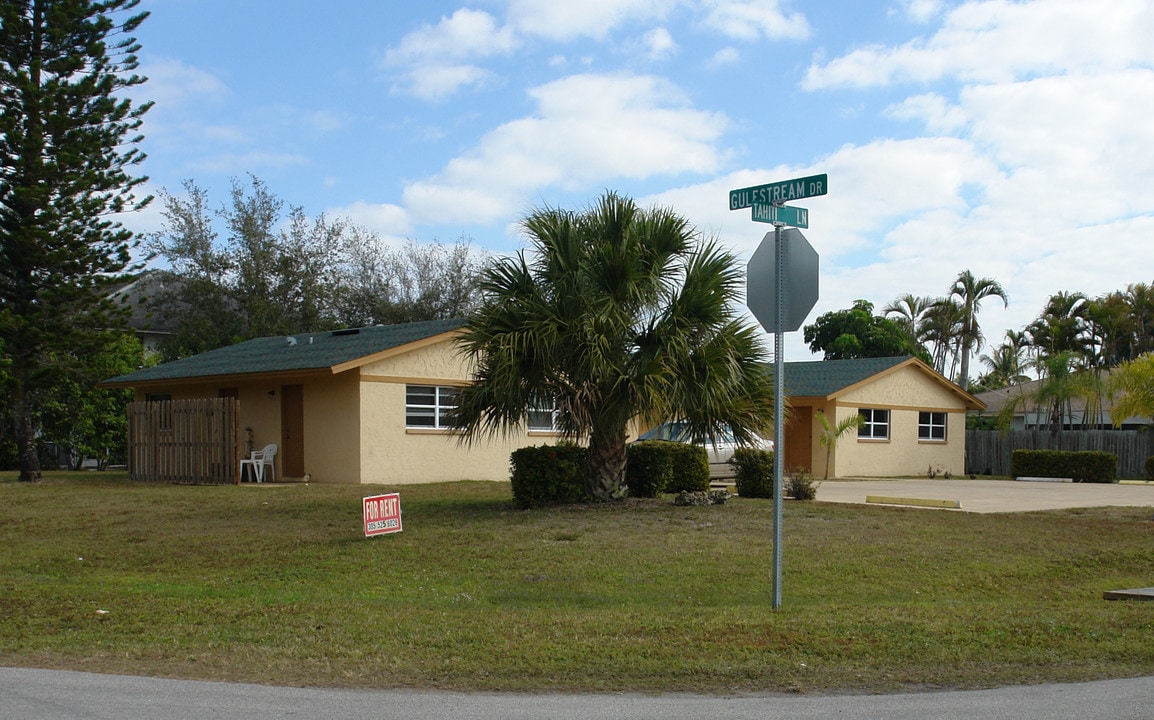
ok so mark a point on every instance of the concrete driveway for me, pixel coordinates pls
(990, 496)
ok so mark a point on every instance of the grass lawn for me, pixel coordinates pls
(278, 585)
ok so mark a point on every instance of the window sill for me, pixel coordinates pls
(545, 433)
(431, 431)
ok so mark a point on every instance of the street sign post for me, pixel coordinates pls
(763, 295)
(779, 192)
(783, 214)
(781, 289)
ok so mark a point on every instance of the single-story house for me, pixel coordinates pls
(371, 405)
(365, 405)
(1078, 413)
(915, 419)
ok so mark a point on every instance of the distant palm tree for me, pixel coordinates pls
(910, 311)
(1005, 366)
(1063, 326)
(970, 292)
(941, 326)
(620, 313)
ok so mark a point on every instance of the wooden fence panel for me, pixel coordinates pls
(184, 441)
(989, 451)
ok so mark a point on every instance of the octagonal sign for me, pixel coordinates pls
(801, 265)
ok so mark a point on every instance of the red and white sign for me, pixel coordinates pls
(382, 514)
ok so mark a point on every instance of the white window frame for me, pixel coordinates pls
(444, 402)
(927, 426)
(876, 425)
(551, 408)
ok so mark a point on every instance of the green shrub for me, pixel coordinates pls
(1089, 466)
(690, 466)
(549, 475)
(1150, 468)
(648, 467)
(800, 485)
(753, 472)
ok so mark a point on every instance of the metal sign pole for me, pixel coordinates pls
(778, 413)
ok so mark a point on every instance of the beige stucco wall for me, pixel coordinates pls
(904, 393)
(393, 454)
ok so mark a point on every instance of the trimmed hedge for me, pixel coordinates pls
(690, 468)
(549, 475)
(1088, 466)
(648, 467)
(753, 474)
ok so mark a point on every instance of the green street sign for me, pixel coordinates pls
(779, 192)
(781, 215)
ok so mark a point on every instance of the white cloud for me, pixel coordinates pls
(566, 21)
(993, 41)
(659, 44)
(724, 56)
(921, 10)
(588, 129)
(434, 61)
(932, 109)
(754, 19)
(389, 221)
(173, 84)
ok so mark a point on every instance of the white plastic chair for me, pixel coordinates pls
(257, 461)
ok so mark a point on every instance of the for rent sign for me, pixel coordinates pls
(382, 514)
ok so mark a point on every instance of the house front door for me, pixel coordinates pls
(799, 439)
(292, 430)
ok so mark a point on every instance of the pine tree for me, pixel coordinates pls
(67, 143)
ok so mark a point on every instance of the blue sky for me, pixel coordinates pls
(1013, 139)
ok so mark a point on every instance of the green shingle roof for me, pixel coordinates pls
(301, 352)
(822, 378)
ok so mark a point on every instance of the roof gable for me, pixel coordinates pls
(831, 378)
(330, 352)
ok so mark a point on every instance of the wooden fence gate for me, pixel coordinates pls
(184, 441)
(988, 451)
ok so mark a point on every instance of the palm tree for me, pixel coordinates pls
(970, 292)
(1062, 327)
(1004, 365)
(910, 312)
(942, 323)
(830, 434)
(619, 313)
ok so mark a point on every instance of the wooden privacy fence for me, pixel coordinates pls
(988, 451)
(184, 441)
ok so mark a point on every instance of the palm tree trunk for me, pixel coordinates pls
(606, 463)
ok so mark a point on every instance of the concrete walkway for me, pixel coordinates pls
(991, 496)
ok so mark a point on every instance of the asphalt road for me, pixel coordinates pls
(58, 695)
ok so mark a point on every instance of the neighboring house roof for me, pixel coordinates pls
(1023, 394)
(829, 378)
(136, 293)
(331, 352)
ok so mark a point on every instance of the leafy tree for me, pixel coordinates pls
(620, 313)
(67, 144)
(1134, 380)
(88, 421)
(970, 292)
(419, 281)
(281, 274)
(857, 333)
